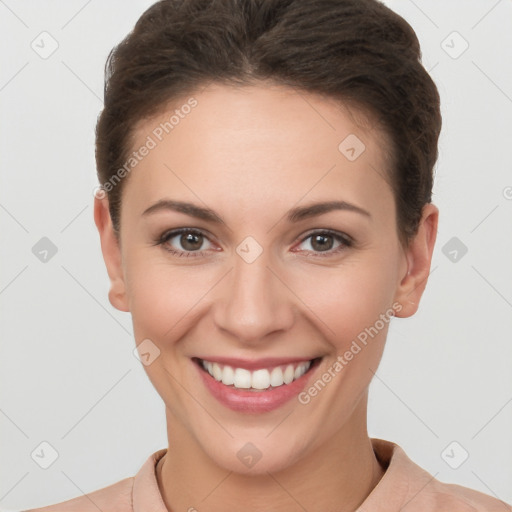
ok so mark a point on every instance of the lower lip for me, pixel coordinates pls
(242, 400)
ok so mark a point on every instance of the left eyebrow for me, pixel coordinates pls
(186, 208)
(304, 212)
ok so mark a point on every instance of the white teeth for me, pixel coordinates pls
(288, 374)
(276, 377)
(228, 375)
(217, 372)
(258, 379)
(242, 378)
(301, 370)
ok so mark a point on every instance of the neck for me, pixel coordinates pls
(338, 475)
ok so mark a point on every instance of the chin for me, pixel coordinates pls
(252, 458)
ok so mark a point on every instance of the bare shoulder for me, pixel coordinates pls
(114, 498)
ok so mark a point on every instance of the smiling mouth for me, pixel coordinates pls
(262, 379)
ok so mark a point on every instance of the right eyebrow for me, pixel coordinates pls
(186, 208)
(314, 209)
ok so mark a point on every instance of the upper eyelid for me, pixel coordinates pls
(343, 238)
(172, 233)
(332, 232)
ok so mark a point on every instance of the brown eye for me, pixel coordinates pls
(322, 242)
(184, 242)
(191, 241)
(326, 242)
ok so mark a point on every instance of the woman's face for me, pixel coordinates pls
(265, 280)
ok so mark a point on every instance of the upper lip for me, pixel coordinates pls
(253, 364)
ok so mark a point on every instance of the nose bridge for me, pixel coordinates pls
(254, 301)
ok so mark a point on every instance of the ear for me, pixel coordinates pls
(111, 254)
(418, 257)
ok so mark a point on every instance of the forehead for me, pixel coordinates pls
(227, 140)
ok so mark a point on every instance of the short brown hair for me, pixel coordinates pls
(357, 51)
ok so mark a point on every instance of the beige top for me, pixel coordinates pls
(405, 487)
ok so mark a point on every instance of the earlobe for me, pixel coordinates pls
(111, 254)
(419, 257)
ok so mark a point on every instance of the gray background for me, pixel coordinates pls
(67, 372)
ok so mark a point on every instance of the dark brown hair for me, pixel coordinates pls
(356, 51)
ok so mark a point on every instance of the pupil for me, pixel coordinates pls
(188, 240)
(322, 246)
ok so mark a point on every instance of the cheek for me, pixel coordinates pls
(165, 299)
(348, 299)
(165, 303)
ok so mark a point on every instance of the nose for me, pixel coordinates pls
(253, 301)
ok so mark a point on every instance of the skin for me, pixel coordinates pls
(251, 154)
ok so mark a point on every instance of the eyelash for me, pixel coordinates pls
(344, 239)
